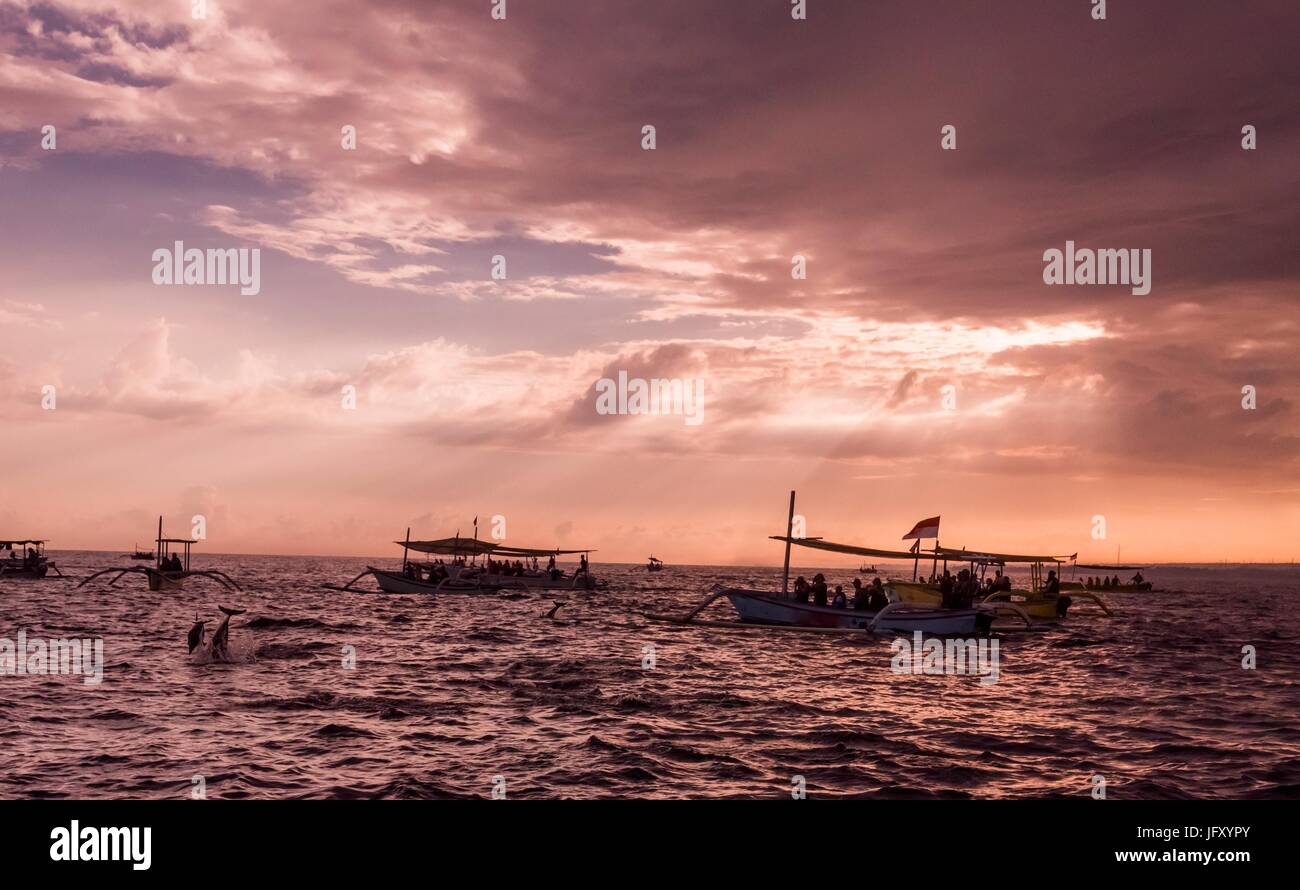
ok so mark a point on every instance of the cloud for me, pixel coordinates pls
(477, 138)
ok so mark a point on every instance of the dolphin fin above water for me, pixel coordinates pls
(222, 636)
(196, 634)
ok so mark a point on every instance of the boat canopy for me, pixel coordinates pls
(528, 551)
(822, 544)
(471, 547)
(949, 553)
(9, 545)
(450, 546)
(960, 555)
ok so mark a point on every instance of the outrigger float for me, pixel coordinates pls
(160, 575)
(26, 560)
(463, 573)
(779, 611)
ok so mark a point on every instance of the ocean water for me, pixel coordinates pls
(451, 697)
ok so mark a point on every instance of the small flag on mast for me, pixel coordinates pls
(926, 528)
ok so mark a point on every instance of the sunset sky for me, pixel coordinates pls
(775, 137)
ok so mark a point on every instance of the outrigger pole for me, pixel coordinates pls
(789, 531)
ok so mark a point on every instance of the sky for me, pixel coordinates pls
(920, 367)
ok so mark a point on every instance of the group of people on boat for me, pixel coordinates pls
(171, 564)
(30, 559)
(508, 568)
(960, 592)
(1112, 581)
(870, 597)
(433, 572)
(437, 570)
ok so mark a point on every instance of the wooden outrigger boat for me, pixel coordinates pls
(1035, 601)
(27, 561)
(777, 609)
(496, 570)
(142, 555)
(654, 565)
(465, 574)
(1123, 587)
(868, 570)
(170, 570)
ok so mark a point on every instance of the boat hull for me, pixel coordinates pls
(527, 581)
(755, 607)
(397, 582)
(35, 574)
(1036, 607)
(161, 581)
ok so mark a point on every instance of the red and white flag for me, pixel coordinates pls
(926, 528)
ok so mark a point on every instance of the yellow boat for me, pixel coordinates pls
(1037, 605)
(1035, 602)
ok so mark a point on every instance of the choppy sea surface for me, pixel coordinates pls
(451, 697)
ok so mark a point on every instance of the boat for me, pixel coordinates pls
(778, 609)
(654, 565)
(463, 573)
(496, 569)
(142, 555)
(26, 560)
(1033, 602)
(161, 576)
(1123, 587)
(868, 570)
(758, 607)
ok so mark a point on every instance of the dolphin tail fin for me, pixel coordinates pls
(232, 611)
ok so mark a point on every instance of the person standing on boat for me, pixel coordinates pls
(861, 595)
(1137, 578)
(801, 589)
(962, 592)
(1052, 586)
(879, 599)
(819, 589)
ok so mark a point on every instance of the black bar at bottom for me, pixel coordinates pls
(621, 839)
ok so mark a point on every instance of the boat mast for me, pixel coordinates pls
(789, 530)
(405, 544)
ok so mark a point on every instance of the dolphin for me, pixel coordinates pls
(222, 636)
(196, 633)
